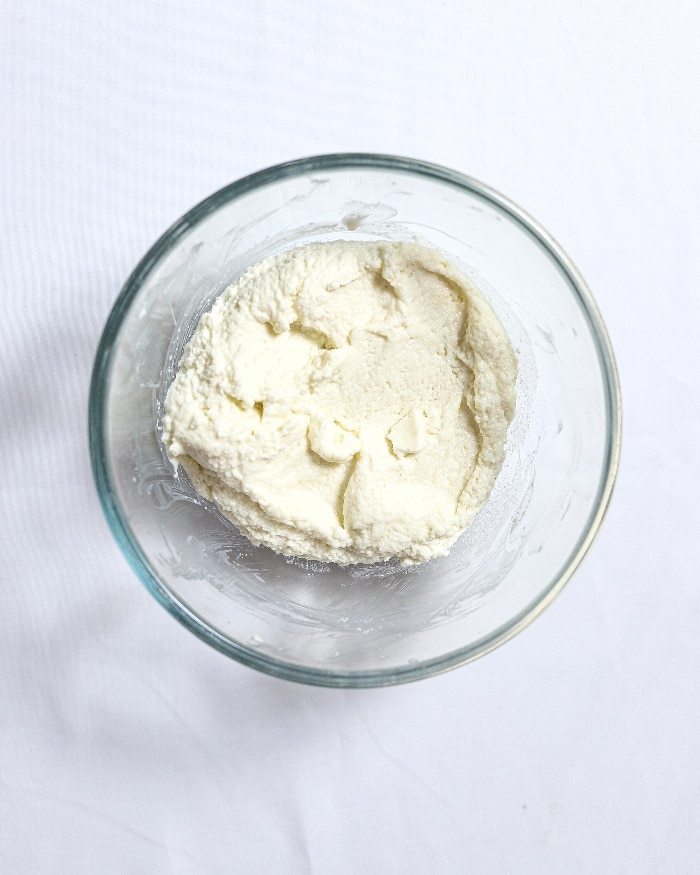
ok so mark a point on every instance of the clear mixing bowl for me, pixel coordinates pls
(364, 625)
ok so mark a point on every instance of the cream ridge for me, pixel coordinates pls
(347, 402)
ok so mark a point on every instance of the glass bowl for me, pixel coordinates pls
(361, 626)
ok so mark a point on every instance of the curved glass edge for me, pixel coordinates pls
(125, 538)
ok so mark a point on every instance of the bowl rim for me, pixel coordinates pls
(118, 522)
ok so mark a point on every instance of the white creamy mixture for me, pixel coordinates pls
(347, 402)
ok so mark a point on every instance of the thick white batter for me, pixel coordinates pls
(346, 401)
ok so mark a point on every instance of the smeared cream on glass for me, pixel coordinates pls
(347, 402)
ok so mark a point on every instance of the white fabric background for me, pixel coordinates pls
(128, 746)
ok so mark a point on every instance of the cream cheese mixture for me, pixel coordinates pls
(346, 401)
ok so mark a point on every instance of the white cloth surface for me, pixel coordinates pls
(129, 746)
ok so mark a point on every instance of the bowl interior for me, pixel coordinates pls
(363, 625)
